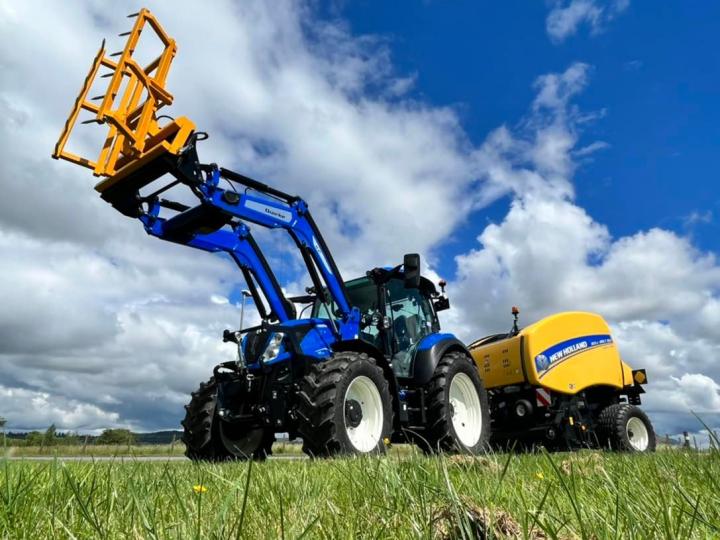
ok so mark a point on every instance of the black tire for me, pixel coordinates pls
(615, 432)
(440, 434)
(324, 420)
(207, 438)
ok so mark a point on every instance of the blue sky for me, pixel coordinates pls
(655, 73)
(554, 155)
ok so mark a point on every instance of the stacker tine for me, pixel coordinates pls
(128, 105)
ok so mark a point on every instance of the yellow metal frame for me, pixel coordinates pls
(129, 107)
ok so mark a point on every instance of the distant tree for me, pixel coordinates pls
(116, 436)
(50, 437)
(69, 439)
(3, 421)
(34, 438)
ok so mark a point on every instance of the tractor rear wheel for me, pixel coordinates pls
(626, 428)
(344, 407)
(458, 414)
(207, 438)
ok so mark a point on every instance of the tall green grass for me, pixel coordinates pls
(121, 450)
(670, 494)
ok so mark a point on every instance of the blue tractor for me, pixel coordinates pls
(368, 364)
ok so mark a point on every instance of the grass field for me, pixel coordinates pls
(671, 494)
(114, 450)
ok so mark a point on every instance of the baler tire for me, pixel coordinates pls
(440, 434)
(201, 433)
(614, 427)
(322, 408)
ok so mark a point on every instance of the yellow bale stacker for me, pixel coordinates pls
(140, 145)
(561, 382)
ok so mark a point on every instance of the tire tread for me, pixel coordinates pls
(318, 398)
(438, 434)
(612, 422)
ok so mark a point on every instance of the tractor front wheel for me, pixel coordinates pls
(207, 438)
(344, 407)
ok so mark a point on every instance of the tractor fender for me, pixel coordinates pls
(428, 354)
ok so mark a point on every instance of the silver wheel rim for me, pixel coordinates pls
(364, 437)
(466, 410)
(637, 434)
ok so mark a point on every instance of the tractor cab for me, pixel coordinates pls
(398, 309)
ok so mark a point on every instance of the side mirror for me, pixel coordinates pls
(411, 266)
(441, 304)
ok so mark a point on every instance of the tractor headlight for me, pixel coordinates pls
(274, 346)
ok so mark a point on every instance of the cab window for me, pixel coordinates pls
(412, 319)
(363, 295)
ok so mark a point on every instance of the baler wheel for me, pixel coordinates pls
(626, 428)
(344, 407)
(458, 414)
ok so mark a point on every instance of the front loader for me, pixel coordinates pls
(368, 366)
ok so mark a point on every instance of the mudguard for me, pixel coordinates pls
(427, 355)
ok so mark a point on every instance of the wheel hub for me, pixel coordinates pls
(353, 413)
(363, 409)
(637, 434)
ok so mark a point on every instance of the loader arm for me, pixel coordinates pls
(238, 243)
(139, 150)
(204, 227)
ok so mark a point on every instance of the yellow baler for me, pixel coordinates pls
(561, 382)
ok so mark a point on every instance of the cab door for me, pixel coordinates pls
(409, 318)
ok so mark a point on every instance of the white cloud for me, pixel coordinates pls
(590, 149)
(699, 392)
(566, 17)
(43, 409)
(698, 218)
(108, 329)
